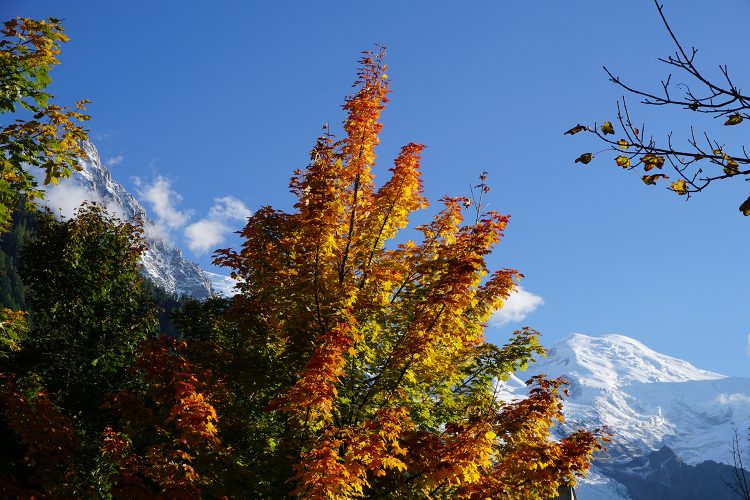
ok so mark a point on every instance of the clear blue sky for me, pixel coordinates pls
(226, 98)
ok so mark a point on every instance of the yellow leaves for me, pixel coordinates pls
(731, 167)
(585, 158)
(680, 187)
(734, 119)
(745, 207)
(651, 161)
(622, 161)
(578, 128)
(623, 144)
(651, 179)
(607, 128)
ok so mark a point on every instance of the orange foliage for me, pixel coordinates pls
(394, 387)
(167, 439)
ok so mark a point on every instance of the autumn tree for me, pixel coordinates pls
(383, 384)
(703, 159)
(38, 132)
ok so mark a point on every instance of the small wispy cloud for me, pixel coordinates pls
(207, 233)
(163, 201)
(114, 160)
(515, 309)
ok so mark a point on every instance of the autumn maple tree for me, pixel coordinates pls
(703, 159)
(389, 385)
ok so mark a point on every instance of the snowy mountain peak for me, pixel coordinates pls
(163, 264)
(616, 360)
(648, 400)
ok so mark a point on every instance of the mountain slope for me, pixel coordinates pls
(164, 264)
(647, 399)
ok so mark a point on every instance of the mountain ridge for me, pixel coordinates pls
(647, 399)
(163, 263)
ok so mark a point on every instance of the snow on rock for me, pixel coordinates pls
(164, 264)
(222, 285)
(646, 399)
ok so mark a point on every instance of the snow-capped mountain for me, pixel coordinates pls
(164, 264)
(222, 285)
(647, 399)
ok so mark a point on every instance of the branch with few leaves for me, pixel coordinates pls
(704, 159)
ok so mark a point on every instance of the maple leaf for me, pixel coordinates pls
(680, 187)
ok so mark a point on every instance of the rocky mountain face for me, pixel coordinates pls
(649, 401)
(163, 264)
(662, 474)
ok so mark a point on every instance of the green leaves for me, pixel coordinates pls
(52, 139)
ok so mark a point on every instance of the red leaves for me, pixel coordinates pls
(52, 446)
(183, 420)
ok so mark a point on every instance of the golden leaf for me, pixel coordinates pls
(734, 119)
(607, 128)
(731, 168)
(622, 161)
(651, 179)
(680, 187)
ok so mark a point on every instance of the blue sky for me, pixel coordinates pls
(222, 100)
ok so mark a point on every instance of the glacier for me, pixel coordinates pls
(648, 400)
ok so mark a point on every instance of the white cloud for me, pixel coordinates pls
(228, 208)
(519, 305)
(64, 198)
(207, 233)
(114, 160)
(734, 398)
(163, 200)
